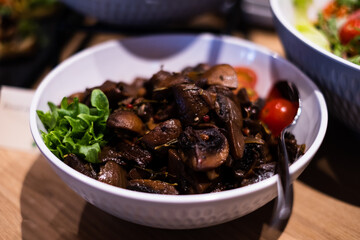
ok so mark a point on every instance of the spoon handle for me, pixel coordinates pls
(285, 199)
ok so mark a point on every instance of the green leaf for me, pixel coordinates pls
(314, 35)
(76, 128)
(90, 152)
(306, 27)
(88, 118)
(99, 100)
(76, 124)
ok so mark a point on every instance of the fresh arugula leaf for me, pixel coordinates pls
(76, 128)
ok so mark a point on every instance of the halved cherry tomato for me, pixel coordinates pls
(247, 79)
(351, 28)
(277, 114)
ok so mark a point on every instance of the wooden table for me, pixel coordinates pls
(36, 204)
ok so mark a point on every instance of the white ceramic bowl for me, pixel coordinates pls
(143, 12)
(338, 79)
(126, 59)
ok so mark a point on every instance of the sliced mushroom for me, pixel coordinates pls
(125, 121)
(164, 133)
(152, 186)
(200, 68)
(113, 174)
(204, 149)
(125, 153)
(178, 171)
(231, 115)
(222, 74)
(79, 165)
(260, 173)
(219, 89)
(162, 81)
(166, 112)
(190, 104)
(109, 153)
(139, 173)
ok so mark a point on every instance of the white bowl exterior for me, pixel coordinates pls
(143, 12)
(338, 79)
(124, 60)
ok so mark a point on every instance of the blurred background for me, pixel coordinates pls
(35, 35)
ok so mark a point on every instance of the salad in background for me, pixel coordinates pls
(337, 28)
(20, 30)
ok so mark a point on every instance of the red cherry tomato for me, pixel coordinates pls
(351, 28)
(333, 9)
(247, 79)
(277, 114)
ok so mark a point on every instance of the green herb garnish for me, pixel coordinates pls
(76, 128)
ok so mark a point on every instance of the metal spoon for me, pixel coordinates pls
(284, 201)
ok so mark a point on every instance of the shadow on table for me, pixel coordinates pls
(51, 210)
(335, 168)
(247, 227)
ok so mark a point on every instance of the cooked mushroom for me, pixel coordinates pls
(113, 174)
(126, 153)
(166, 112)
(79, 165)
(162, 81)
(198, 69)
(229, 112)
(260, 173)
(152, 186)
(164, 133)
(190, 104)
(125, 121)
(138, 173)
(219, 89)
(222, 74)
(204, 149)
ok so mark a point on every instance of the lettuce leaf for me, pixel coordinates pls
(76, 128)
(306, 27)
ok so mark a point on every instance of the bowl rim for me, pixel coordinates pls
(173, 199)
(275, 9)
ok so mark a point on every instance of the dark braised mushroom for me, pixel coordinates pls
(203, 149)
(152, 186)
(260, 173)
(79, 165)
(198, 69)
(113, 174)
(166, 112)
(125, 121)
(222, 74)
(162, 134)
(190, 104)
(126, 153)
(178, 171)
(231, 115)
(139, 173)
(221, 90)
(162, 81)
